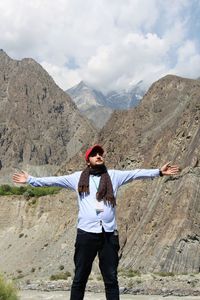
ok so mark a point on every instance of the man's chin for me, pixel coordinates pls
(98, 164)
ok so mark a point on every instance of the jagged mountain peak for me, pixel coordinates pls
(82, 86)
(90, 102)
(3, 54)
(79, 86)
(39, 122)
(4, 57)
(98, 106)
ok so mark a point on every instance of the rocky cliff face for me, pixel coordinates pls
(39, 123)
(159, 220)
(37, 237)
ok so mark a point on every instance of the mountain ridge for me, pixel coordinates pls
(98, 107)
(161, 231)
(34, 113)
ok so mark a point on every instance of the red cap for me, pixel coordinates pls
(96, 146)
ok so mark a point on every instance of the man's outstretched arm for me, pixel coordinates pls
(124, 176)
(67, 181)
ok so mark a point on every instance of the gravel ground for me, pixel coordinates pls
(37, 295)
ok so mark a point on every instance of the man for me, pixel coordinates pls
(96, 189)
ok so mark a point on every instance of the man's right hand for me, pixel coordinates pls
(20, 177)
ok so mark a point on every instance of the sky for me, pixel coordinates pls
(109, 44)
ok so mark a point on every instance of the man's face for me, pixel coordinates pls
(96, 158)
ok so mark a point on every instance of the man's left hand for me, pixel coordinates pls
(169, 169)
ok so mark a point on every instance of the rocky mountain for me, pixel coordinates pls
(39, 123)
(158, 220)
(91, 103)
(98, 107)
(160, 226)
(125, 99)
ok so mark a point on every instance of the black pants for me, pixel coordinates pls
(87, 246)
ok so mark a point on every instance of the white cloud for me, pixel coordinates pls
(188, 61)
(110, 44)
(127, 60)
(63, 76)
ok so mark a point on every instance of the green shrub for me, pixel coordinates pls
(33, 202)
(28, 191)
(165, 274)
(43, 191)
(21, 189)
(7, 290)
(130, 273)
(60, 276)
(99, 277)
(5, 190)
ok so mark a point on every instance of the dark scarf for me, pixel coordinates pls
(105, 189)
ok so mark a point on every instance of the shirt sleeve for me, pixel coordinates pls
(67, 181)
(123, 177)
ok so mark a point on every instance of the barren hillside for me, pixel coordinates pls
(40, 126)
(159, 220)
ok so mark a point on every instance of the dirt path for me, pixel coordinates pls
(35, 295)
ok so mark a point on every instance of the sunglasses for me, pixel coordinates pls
(94, 153)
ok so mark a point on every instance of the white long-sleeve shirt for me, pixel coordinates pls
(89, 219)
